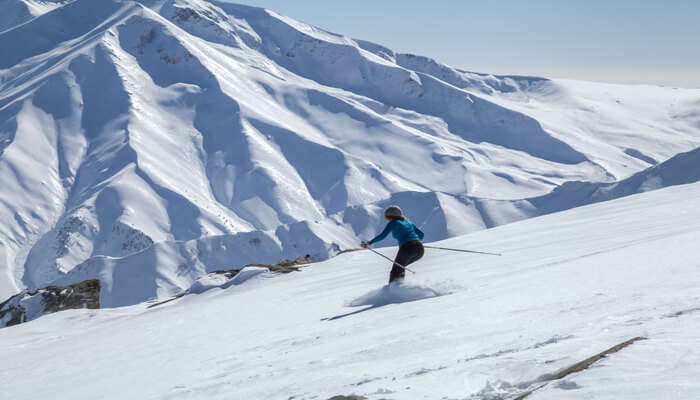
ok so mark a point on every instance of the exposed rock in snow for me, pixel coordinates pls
(29, 305)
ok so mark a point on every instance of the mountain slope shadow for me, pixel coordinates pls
(394, 293)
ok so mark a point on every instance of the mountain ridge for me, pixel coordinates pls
(176, 121)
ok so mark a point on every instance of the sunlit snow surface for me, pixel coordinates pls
(147, 143)
(568, 286)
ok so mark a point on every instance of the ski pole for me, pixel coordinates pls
(380, 254)
(464, 251)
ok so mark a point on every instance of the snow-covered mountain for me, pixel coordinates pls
(680, 169)
(16, 12)
(149, 142)
(169, 267)
(568, 286)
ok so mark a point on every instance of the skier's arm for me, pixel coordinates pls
(418, 232)
(382, 235)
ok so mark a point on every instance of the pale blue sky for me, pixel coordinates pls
(623, 41)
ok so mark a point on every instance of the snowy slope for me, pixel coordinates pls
(17, 12)
(568, 286)
(681, 169)
(169, 268)
(143, 130)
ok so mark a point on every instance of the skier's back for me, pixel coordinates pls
(409, 237)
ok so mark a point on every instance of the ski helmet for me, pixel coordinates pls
(393, 212)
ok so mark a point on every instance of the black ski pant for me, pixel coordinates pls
(409, 252)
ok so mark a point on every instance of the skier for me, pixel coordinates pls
(409, 237)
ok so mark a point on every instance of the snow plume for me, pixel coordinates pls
(395, 293)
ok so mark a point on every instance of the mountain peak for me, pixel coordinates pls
(190, 135)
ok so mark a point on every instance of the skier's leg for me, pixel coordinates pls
(409, 253)
(401, 257)
(397, 273)
(417, 252)
(412, 252)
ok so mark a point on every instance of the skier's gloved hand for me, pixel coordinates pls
(364, 245)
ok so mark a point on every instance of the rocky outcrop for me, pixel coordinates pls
(282, 267)
(227, 273)
(287, 266)
(28, 305)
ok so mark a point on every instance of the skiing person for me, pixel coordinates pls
(409, 237)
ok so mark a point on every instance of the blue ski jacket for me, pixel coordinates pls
(402, 230)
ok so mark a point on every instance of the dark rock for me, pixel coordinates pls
(228, 273)
(286, 263)
(28, 305)
(351, 397)
(285, 269)
(282, 267)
